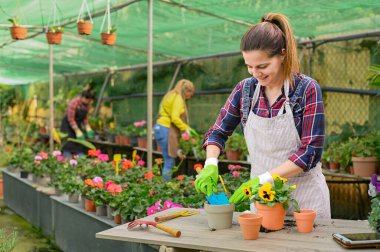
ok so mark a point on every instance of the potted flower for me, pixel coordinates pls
(109, 37)
(334, 156)
(17, 31)
(84, 28)
(374, 215)
(141, 132)
(365, 155)
(271, 201)
(234, 146)
(54, 35)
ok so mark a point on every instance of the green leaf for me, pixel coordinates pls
(83, 142)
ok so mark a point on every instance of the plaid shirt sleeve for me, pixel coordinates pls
(70, 112)
(313, 128)
(228, 119)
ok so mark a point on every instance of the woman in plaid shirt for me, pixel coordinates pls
(282, 116)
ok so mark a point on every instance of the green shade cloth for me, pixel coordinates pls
(182, 29)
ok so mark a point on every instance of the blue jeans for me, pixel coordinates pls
(161, 135)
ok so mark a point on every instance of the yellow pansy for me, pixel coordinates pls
(274, 176)
(266, 193)
(293, 187)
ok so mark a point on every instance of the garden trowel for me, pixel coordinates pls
(220, 198)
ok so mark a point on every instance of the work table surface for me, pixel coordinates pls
(197, 235)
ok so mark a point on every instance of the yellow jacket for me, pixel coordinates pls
(172, 107)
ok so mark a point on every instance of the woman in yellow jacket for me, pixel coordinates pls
(171, 121)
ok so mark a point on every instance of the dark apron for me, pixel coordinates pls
(74, 148)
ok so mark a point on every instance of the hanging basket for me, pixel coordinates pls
(19, 32)
(54, 38)
(108, 38)
(84, 28)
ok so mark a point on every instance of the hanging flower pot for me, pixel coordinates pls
(17, 31)
(54, 35)
(250, 224)
(84, 28)
(305, 220)
(273, 217)
(108, 38)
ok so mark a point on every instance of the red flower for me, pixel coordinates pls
(89, 182)
(136, 157)
(149, 175)
(198, 166)
(127, 164)
(92, 153)
(159, 161)
(180, 177)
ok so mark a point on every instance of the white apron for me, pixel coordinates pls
(270, 142)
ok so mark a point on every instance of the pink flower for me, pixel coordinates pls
(235, 174)
(44, 155)
(231, 167)
(158, 204)
(60, 158)
(238, 167)
(38, 158)
(108, 183)
(185, 136)
(151, 210)
(73, 162)
(168, 204)
(177, 205)
(114, 188)
(141, 163)
(56, 153)
(103, 157)
(97, 180)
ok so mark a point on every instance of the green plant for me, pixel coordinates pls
(235, 142)
(280, 192)
(333, 154)
(7, 241)
(374, 75)
(113, 29)
(56, 29)
(14, 20)
(374, 215)
(367, 146)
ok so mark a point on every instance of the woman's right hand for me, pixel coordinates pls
(207, 180)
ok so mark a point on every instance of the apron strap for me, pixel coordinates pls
(256, 95)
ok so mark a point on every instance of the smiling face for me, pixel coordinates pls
(267, 70)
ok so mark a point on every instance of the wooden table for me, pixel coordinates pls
(197, 236)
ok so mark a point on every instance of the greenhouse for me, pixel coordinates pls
(173, 125)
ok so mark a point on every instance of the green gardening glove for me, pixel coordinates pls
(207, 180)
(79, 134)
(245, 191)
(90, 134)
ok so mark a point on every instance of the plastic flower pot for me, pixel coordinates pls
(219, 216)
(74, 197)
(273, 217)
(101, 210)
(18, 32)
(250, 224)
(84, 28)
(89, 205)
(108, 38)
(54, 38)
(305, 220)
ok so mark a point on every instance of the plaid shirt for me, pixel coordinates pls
(75, 104)
(308, 112)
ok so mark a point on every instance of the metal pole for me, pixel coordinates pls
(175, 76)
(150, 83)
(51, 98)
(99, 102)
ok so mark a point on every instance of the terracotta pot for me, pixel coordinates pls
(250, 224)
(84, 28)
(124, 140)
(117, 219)
(305, 220)
(54, 38)
(233, 155)
(219, 216)
(19, 32)
(89, 205)
(142, 142)
(334, 167)
(1, 188)
(117, 139)
(273, 217)
(364, 166)
(108, 38)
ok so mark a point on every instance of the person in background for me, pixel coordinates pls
(75, 122)
(283, 119)
(172, 119)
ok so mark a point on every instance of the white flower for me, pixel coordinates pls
(372, 190)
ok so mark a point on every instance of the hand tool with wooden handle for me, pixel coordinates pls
(169, 230)
(175, 215)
